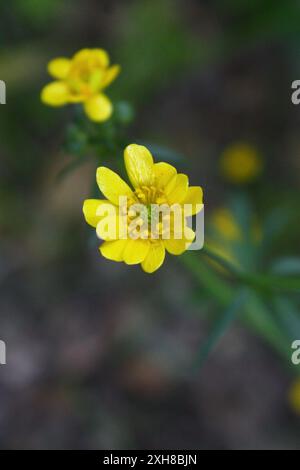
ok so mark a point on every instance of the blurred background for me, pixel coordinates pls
(99, 354)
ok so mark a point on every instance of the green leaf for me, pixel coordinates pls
(287, 266)
(242, 211)
(207, 278)
(288, 314)
(275, 224)
(76, 140)
(258, 317)
(220, 328)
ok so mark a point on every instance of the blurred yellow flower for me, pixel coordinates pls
(224, 222)
(141, 234)
(226, 236)
(241, 163)
(294, 396)
(82, 79)
(225, 232)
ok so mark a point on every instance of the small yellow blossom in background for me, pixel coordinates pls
(82, 79)
(153, 183)
(227, 226)
(241, 163)
(226, 236)
(226, 231)
(224, 222)
(294, 396)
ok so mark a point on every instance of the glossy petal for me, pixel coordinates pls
(139, 165)
(194, 198)
(177, 189)
(112, 186)
(177, 247)
(112, 226)
(90, 207)
(59, 68)
(98, 108)
(55, 94)
(163, 174)
(113, 250)
(154, 258)
(136, 251)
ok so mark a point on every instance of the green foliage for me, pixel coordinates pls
(37, 12)
(154, 48)
(257, 20)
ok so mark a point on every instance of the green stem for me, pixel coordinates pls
(217, 288)
(255, 314)
(220, 328)
(264, 282)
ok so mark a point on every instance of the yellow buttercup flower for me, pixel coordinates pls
(143, 231)
(241, 163)
(82, 79)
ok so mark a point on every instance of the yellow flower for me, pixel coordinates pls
(224, 222)
(226, 231)
(226, 235)
(294, 396)
(140, 233)
(240, 163)
(82, 79)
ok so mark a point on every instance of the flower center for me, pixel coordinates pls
(85, 78)
(150, 195)
(149, 216)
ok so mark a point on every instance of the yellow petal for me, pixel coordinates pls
(154, 258)
(177, 247)
(102, 56)
(83, 54)
(91, 54)
(189, 235)
(194, 198)
(177, 188)
(55, 94)
(96, 79)
(90, 208)
(112, 226)
(136, 251)
(110, 75)
(113, 250)
(112, 186)
(98, 108)
(139, 165)
(163, 174)
(59, 68)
